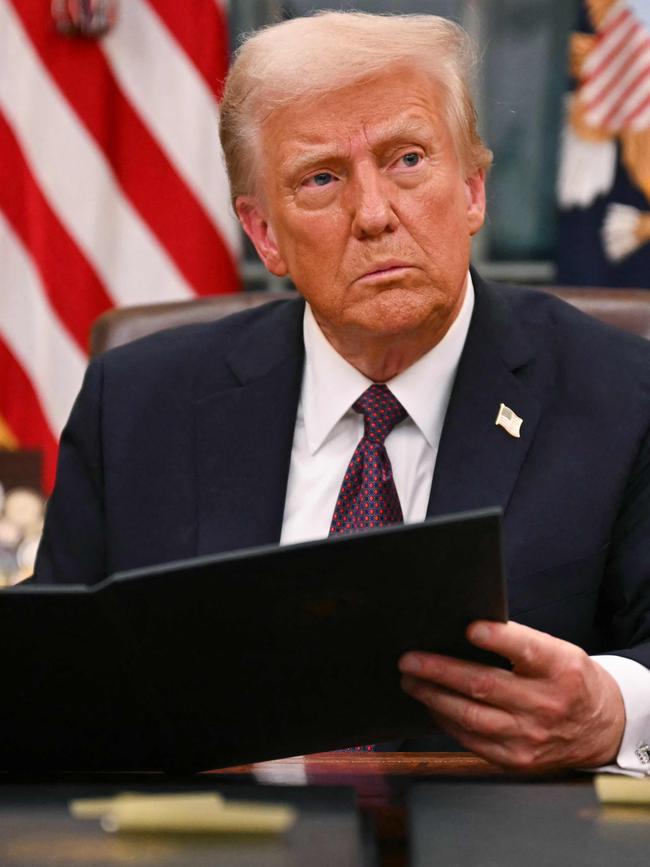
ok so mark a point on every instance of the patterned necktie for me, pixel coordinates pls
(368, 497)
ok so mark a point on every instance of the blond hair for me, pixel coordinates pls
(331, 50)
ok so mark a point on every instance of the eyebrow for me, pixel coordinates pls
(388, 134)
(402, 128)
(310, 156)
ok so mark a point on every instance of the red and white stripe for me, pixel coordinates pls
(616, 87)
(112, 188)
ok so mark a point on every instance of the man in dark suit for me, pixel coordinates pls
(364, 181)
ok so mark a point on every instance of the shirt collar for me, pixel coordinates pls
(331, 384)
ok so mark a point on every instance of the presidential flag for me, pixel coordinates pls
(604, 173)
(112, 184)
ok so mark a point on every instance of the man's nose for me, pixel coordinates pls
(371, 206)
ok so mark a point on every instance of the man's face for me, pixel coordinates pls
(363, 202)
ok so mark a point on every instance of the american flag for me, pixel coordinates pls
(615, 90)
(112, 184)
(604, 171)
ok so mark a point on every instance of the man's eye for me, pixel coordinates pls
(411, 159)
(320, 180)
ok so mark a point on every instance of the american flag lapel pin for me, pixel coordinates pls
(509, 420)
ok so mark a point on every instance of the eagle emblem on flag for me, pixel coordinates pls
(608, 114)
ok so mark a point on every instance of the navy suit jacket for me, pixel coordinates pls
(179, 445)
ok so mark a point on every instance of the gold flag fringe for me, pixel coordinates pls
(635, 153)
(7, 439)
(580, 125)
(643, 228)
(598, 10)
(580, 44)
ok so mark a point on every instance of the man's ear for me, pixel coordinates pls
(475, 190)
(253, 219)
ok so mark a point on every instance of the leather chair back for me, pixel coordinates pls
(628, 309)
(124, 324)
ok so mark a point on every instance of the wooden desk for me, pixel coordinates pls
(356, 810)
(382, 782)
(37, 830)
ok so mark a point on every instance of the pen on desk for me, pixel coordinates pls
(618, 789)
(185, 814)
(95, 808)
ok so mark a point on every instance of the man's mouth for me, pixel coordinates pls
(382, 270)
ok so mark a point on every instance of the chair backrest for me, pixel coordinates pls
(124, 324)
(628, 309)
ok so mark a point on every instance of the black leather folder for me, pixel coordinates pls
(241, 657)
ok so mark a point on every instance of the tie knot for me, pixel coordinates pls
(381, 411)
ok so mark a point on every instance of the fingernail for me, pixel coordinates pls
(409, 664)
(480, 633)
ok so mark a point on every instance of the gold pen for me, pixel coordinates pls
(185, 814)
(617, 789)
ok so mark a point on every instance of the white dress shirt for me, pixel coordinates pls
(328, 430)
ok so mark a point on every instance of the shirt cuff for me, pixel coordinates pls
(633, 680)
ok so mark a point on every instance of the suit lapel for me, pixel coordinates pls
(245, 423)
(244, 435)
(478, 461)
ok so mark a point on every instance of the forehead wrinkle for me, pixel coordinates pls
(400, 129)
(365, 128)
(312, 151)
(315, 150)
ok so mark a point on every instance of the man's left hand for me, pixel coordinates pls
(555, 708)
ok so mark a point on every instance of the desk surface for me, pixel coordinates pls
(379, 810)
(37, 830)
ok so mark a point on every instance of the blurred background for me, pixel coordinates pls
(113, 191)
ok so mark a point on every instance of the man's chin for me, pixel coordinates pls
(395, 312)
